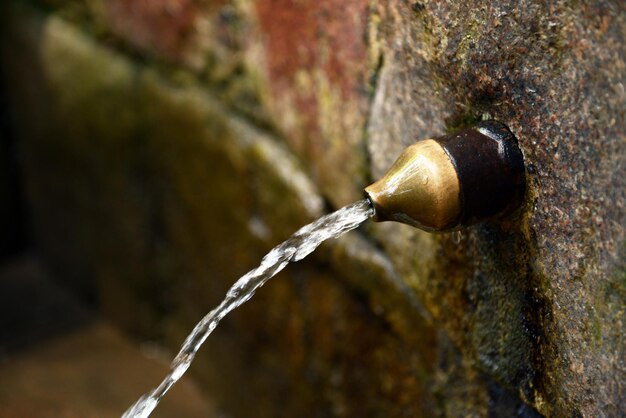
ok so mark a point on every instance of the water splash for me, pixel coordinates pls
(298, 246)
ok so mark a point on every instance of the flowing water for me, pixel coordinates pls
(298, 246)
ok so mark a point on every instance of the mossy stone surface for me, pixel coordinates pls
(535, 300)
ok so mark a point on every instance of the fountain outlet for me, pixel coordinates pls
(452, 181)
(437, 184)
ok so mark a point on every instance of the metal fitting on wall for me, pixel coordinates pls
(452, 181)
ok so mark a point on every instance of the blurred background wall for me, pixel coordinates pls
(153, 150)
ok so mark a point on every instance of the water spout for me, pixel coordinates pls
(436, 184)
(452, 181)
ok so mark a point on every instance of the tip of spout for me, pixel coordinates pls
(372, 203)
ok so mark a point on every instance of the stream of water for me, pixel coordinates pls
(295, 248)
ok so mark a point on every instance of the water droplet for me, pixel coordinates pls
(532, 169)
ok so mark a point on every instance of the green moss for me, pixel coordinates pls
(463, 120)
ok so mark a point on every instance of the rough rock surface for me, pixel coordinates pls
(165, 145)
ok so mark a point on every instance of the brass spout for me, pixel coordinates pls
(452, 181)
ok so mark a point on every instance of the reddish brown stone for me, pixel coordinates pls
(304, 35)
(326, 45)
(160, 26)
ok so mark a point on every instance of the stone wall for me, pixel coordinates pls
(167, 144)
